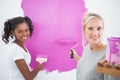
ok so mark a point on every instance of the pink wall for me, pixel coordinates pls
(57, 28)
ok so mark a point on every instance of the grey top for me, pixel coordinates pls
(109, 77)
(86, 67)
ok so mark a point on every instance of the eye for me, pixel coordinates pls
(90, 28)
(99, 28)
(27, 30)
(19, 31)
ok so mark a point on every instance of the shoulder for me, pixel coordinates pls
(13, 48)
(15, 52)
(87, 47)
(86, 50)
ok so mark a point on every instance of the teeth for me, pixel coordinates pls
(24, 38)
(94, 38)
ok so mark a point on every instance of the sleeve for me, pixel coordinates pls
(16, 54)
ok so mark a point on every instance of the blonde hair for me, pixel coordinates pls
(87, 17)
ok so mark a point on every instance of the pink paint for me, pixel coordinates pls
(113, 50)
(57, 29)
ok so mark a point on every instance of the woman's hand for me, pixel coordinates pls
(73, 54)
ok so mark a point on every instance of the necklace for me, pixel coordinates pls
(98, 47)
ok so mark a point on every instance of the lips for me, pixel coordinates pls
(94, 38)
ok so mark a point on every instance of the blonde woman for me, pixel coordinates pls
(94, 51)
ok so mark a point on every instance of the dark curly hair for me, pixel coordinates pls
(11, 24)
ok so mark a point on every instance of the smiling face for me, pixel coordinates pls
(94, 30)
(21, 32)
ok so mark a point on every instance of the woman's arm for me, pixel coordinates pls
(75, 55)
(27, 74)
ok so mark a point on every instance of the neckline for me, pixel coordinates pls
(97, 51)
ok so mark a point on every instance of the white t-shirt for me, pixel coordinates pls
(17, 52)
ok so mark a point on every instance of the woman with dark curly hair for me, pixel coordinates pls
(19, 29)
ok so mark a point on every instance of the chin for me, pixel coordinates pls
(95, 42)
(24, 41)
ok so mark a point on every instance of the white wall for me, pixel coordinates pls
(109, 9)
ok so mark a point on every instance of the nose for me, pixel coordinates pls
(25, 33)
(95, 32)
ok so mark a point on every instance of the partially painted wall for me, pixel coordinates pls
(109, 9)
(57, 27)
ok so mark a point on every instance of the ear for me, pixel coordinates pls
(13, 33)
